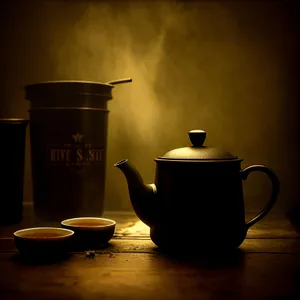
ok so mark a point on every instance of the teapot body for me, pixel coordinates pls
(199, 201)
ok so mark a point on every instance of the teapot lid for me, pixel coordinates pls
(197, 151)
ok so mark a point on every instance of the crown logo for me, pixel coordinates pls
(78, 138)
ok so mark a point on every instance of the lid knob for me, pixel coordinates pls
(197, 137)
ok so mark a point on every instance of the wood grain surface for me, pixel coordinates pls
(266, 266)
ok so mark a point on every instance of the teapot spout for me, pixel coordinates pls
(142, 196)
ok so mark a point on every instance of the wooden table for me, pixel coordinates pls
(267, 266)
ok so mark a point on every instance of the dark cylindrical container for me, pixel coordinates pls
(68, 131)
(12, 153)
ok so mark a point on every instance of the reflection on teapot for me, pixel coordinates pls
(197, 197)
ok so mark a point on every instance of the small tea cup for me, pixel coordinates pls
(90, 232)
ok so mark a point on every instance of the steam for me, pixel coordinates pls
(142, 107)
(107, 41)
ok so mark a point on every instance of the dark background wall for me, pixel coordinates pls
(228, 67)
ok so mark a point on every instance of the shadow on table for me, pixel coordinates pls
(211, 260)
(38, 260)
(41, 258)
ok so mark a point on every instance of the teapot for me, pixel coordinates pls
(197, 197)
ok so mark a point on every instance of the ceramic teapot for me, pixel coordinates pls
(197, 197)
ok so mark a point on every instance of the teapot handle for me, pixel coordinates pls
(275, 191)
